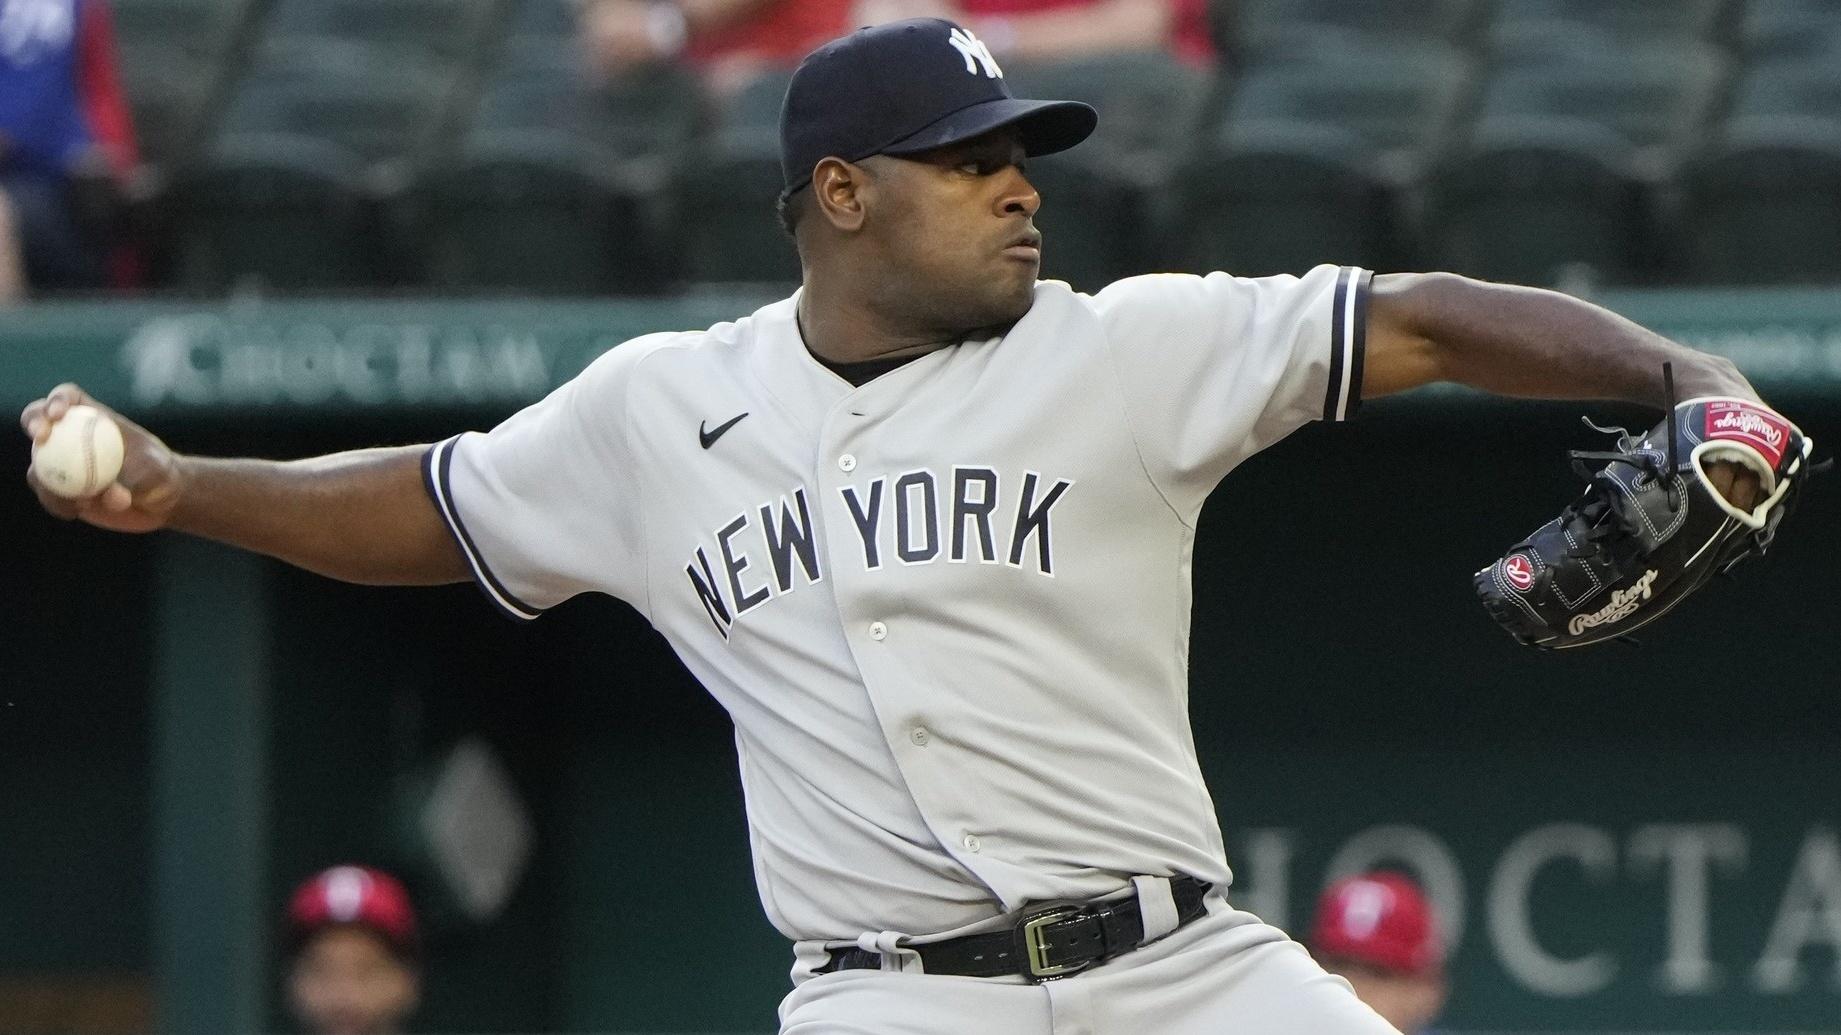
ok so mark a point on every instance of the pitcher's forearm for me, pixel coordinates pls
(1525, 342)
(359, 517)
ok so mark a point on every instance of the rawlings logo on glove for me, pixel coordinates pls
(1623, 604)
(1519, 571)
(1743, 422)
(1651, 528)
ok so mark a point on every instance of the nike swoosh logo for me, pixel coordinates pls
(708, 438)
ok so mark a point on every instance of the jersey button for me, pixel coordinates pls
(878, 631)
(920, 736)
(972, 843)
(846, 463)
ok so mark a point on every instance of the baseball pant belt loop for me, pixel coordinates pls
(886, 948)
(1052, 939)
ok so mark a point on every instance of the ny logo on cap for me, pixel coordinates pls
(975, 53)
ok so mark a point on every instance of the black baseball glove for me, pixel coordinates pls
(1651, 528)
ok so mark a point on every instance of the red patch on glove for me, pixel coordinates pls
(1741, 422)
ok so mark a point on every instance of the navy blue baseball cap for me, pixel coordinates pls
(907, 87)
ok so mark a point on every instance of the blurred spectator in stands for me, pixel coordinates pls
(66, 147)
(1377, 930)
(1049, 30)
(729, 41)
(354, 956)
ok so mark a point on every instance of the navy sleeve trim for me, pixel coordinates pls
(1342, 396)
(437, 481)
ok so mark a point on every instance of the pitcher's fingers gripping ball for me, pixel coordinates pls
(1651, 528)
(81, 456)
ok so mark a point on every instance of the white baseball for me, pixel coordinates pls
(82, 455)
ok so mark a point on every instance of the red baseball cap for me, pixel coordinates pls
(1381, 919)
(357, 896)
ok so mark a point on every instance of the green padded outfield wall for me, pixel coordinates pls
(1631, 839)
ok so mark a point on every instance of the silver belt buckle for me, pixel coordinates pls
(1035, 951)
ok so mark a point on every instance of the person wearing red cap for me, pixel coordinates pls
(354, 954)
(728, 42)
(1378, 931)
(1060, 30)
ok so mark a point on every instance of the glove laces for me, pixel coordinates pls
(1595, 519)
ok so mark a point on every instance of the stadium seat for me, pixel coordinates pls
(1400, 104)
(536, 212)
(167, 96)
(289, 186)
(524, 57)
(1322, 45)
(435, 28)
(282, 212)
(1149, 104)
(1097, 217)
(726, 193)
(1784, 28)
(1630, 19)
(203, 29)
(1812, 43)
(542, 19)
(653, 115)
(1262, 20)
(1585, 142)
(1764, 206)
(755, 109)
(174, 56)
(1545, 42)
(1810, 88)
(1528, 200)
(1656, 98)
(1281, 197)
(558, 185)
(369, 101)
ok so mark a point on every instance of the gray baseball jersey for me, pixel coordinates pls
(948, 610)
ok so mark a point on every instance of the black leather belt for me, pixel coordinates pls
(1049, 941)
